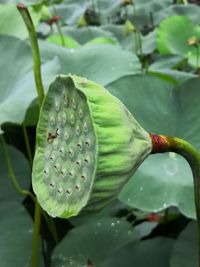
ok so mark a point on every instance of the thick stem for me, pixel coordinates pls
(163, 144)
(35, 50)
(40, 91)
(36, 235)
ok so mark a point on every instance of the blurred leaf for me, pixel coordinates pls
(191, 11)
(22, 172)
(185, 249)
(16, 230)
(165, 111)
(101, 40)
(11, 22)
(161, 181)
(94, 240)
(17, 86)
(149, 101)
(100, 63)
(168, 41)
(84, 35)
(69, 42)
(148, 253)
(188, 125)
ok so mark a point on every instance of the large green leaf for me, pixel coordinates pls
(169, 42)
(188, 109)
(148, 253)
(22, 172)
(149, 100)
(11, 22)
(191, 11)
(17, 86)
(16, 230)
(83, 35)
(94, 240)
(185, 249)
(68, 41)
(101, 63)
(162, 180)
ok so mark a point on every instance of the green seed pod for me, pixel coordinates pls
(88, 146)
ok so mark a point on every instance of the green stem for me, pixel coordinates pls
(35, 50)
(11, 171)
(40, 91)
(36, 235)
(28, 147)
(60, 33)
(163, 144)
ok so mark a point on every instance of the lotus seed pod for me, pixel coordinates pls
(82, 162)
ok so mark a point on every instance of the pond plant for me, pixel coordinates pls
(89, 145)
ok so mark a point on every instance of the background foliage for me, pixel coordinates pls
(147, 53)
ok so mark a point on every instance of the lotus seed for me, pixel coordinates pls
(55, 143)
(78, 162)
(87, 160)
(52, 157)
(85, 127)
(57, 166)
(77, 187)
(83, 176)
(63, 172)
(73, 103)
(52, 120)
(68, 191)
(77, 130)
(66, 100)
(72, 119)
(71, 153)
(66, 135)
(71, 173)
(57, 105)
(60, 191)
(47, 154)
(87, 142)
(80, 113)
(52, 184)
(79, 145)
(64, 118)
(46, 172)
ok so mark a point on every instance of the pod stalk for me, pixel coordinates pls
(162, 144)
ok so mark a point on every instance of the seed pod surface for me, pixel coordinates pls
(88, 146)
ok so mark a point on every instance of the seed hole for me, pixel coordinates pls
(87, 160)
(80, 113)
(78, 162)
(85, 127)
(72, 119)
(71, 173)
(79, 145)
(66, 100)
(46, 172)
(52, 185)
(68, 191)
(77, 187)
(52, 157)
(83, 177)
(77, 130)
(87, 142)
(71, 152)
(73, 103)
(60, 191)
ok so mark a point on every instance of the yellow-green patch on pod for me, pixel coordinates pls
(88, 147)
